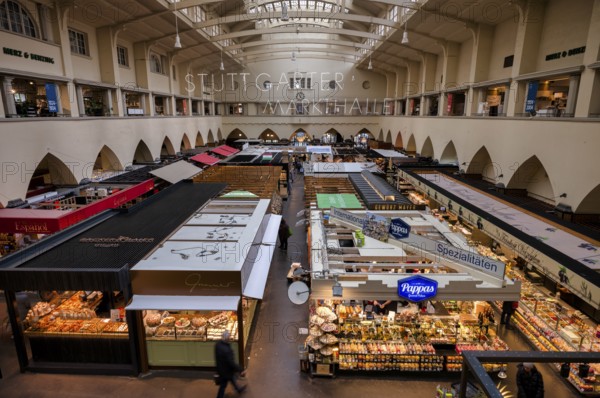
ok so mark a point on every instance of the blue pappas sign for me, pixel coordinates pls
(399, 229)
(532, 89)
(417, 288)
(51, 97)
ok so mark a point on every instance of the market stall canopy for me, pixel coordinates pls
(239, 194)
(324, 150)
(341, 167)
(184, 303)
(224, 150)
(255, 285)
(339, 200)
(177, 171)
(98, 253)
(387, 153)
(37, 221)
(206, 159)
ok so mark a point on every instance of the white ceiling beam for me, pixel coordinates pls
(291, 29)
(341, 43)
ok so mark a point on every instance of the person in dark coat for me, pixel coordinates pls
(529, 382)
(227, 368)
(508, 308)
(284, 234)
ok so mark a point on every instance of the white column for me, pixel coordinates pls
(80, 104)
(109, 103)
(572, 96)
(8, 97)
(143, 103)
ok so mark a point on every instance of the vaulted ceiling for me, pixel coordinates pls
(241, 32)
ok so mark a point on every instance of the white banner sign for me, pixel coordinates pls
(442, 249)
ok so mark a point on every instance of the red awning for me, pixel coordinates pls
(230, 149)
(220, 151)
(37, 221)
(206, 159)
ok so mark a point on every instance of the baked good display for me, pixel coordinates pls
(182, 323)
(153, 320)
(199, 321)
(168, 321)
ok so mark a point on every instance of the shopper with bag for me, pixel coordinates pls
(227, 368)
(285, 231)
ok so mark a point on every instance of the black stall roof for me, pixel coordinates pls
(97, 256)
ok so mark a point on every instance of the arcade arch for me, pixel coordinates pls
(268, 136)
(449, 155)
(532, 177)
(427, 149)
(142, 153)
(167, 148)
(50, 172)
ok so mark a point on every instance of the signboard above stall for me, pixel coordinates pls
(399, 229)
(417, 288)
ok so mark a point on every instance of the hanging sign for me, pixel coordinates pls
(399, 229)
(51, 97)
(417, 288)
(376, 227)
(532, 89)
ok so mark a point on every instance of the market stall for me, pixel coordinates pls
(394, 308)
(205, 279)
(66, 294)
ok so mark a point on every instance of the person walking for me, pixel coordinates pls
(508, 308)
(227, 368)
(284, 234)
(530, 383)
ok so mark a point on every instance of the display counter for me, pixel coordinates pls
(347, 336)
(187, 338)
(66, 329)
(551, 325)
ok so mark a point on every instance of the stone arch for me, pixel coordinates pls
(399, 143)
(50, 172)
(185, 143)
(332, 136)
(236, 134)
(591, 203)
(268, 135)
(106, 160)
(167, 148)
(481, 164)
(199, 140)
(219, 135)
(380, 136)
(301, 137)
(449, 155)
(411, 147)
(210, 139)
(427, 148)
(362, 138)
(142, 153)
(388, 137)
(531, 176)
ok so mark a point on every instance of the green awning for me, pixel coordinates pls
(339, 200)
(239, 194)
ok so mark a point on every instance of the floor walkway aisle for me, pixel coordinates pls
(273, 358)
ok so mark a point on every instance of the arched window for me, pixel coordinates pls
(16, 19)
(155, 64)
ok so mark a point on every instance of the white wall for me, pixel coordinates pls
(464, 63)
(127, 73)
(30, 46)
(503, 45)
(86, 67)
(565, 27)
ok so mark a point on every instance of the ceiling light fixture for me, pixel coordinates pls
(177, 39)
(284, 13)
(222, 67)
(405, 34)
(293, 55)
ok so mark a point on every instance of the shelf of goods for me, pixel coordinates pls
(201, 326)
(73, 314)
(406, 342)
(550, 325)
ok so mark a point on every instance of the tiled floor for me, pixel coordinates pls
(273, 366)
